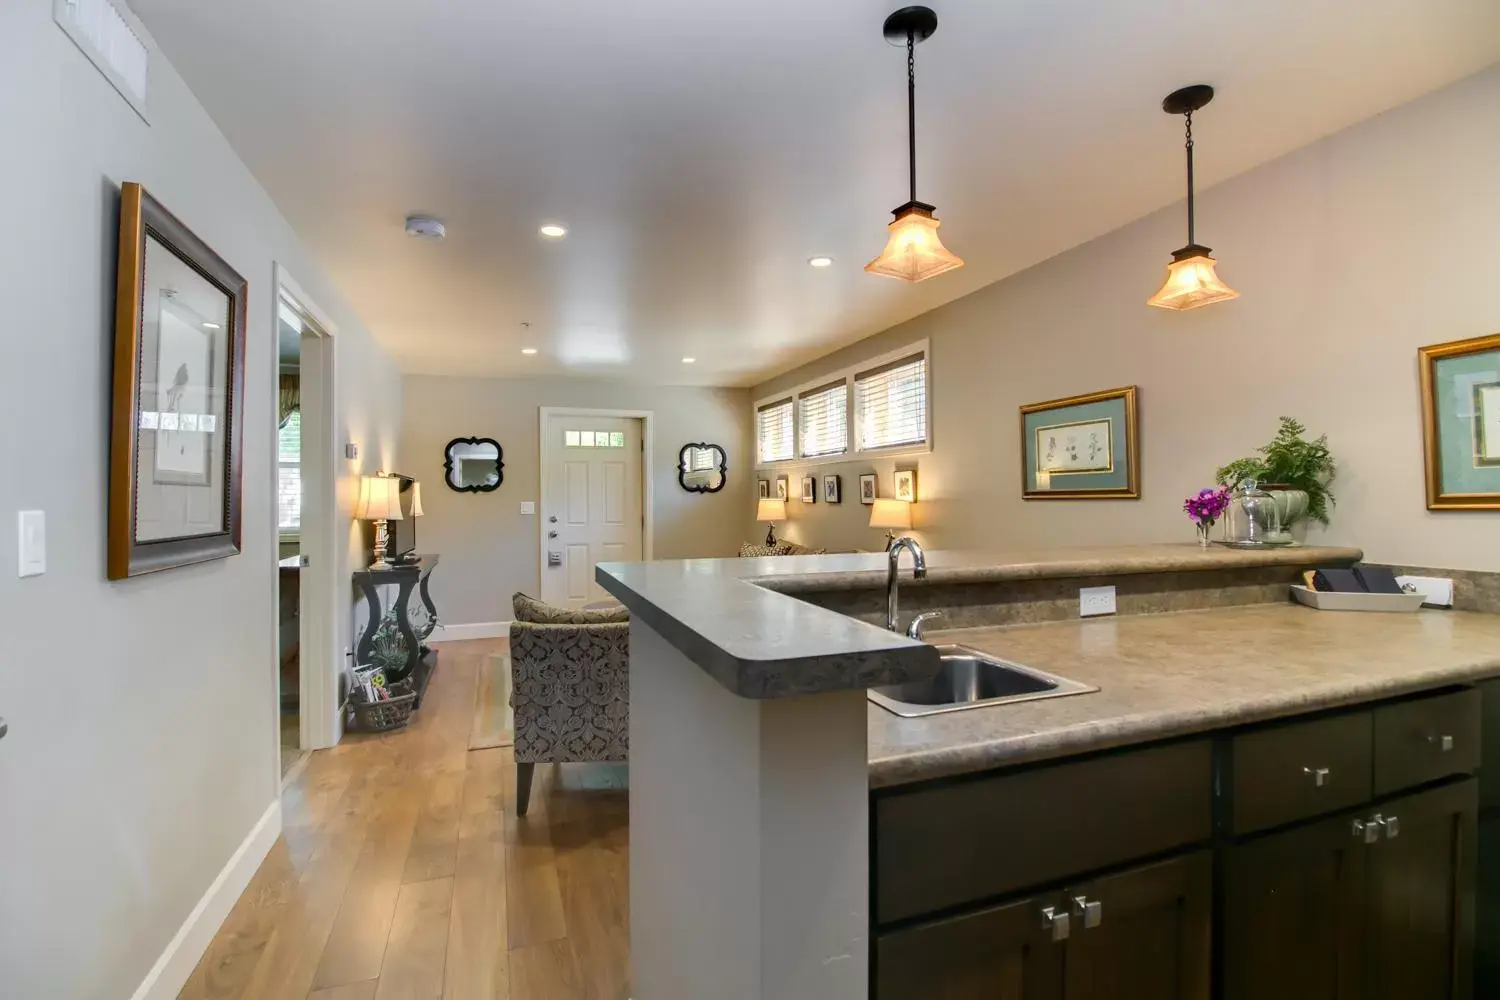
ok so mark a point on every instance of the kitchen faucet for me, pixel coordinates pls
(918, 572)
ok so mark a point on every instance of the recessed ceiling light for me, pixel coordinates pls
(820, 261)
(425, 227)
(212, 326)
(553, 231)
(688, 361)
(528, 350)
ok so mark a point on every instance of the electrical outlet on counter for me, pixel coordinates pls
(1094, 601)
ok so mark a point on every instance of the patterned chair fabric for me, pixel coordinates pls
(529, 609)
(752, 550)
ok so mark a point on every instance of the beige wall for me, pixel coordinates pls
(1348, 254)
(489, 549)
(143, 713)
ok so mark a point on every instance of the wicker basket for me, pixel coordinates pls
(380, 716)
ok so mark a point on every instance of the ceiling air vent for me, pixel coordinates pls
(103, 31)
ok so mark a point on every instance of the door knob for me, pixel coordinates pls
(3, 729)
(551, 534)
(552, 519)
(1058, 923)
(1091, 910)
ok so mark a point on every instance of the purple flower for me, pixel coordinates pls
(1207, 505)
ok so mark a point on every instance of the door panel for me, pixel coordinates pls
(580, 567)
(614, 493)
(576, 499)
(593, 502)
(1002, 954)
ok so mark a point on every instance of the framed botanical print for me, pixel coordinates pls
(175, 426)
(868, 488)
(1081, 447)
(906, 484)
(763, 489)
(1461, 423)
(783, 488)
(833, 489)
(809, 489)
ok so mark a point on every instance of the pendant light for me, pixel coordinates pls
(914, 252)
(1191, 280)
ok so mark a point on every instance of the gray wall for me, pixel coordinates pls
(143, 713)
(489, 549)
(1349, 254)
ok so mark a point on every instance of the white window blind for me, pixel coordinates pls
(289, 473)
(773, 431)
(890, 404)
(824, 417)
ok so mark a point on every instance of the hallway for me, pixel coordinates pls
(403, 873)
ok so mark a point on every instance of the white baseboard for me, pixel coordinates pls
(473, 630)
(171, 971)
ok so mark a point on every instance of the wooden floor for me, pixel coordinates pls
(403, 872)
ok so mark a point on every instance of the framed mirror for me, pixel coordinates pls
(473, 465)
(702, 468)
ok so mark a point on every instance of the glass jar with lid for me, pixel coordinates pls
(1252, 519)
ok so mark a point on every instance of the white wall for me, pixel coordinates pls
(1349, 255)
(142, 713)
(489, 549)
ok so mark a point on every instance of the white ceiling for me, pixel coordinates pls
(701, 150)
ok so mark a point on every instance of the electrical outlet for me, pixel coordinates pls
(1096, 601)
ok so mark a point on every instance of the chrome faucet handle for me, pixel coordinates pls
(914, 630)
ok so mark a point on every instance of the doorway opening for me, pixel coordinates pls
(595, 498)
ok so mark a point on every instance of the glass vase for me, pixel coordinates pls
(1203, 529)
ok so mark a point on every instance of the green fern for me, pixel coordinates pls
(1290, 460)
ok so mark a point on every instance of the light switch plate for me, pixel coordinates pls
(1096, 601)
(351, 451)
(528, 506)
(31, 543)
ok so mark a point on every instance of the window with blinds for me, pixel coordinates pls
(890, 404)
(773, 432)
(289, 473)
(823, 420)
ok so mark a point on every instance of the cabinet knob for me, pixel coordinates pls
(1443, 743)
(1057, 922)
(1091, 910)
(1370, 829)
(1392, 825)
(1319, 775)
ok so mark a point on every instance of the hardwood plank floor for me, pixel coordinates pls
(403, 873)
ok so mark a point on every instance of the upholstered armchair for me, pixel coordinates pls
(570, 687)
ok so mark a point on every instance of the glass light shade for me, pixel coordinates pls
(770, 510)
(416, 499)
(891, 514)
(1191, 282)
(379, 499)
(914, 252)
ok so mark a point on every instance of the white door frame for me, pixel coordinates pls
(544, 449)
(318, 642)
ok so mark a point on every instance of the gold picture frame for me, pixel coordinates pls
(1461, 449)
(1110, 421)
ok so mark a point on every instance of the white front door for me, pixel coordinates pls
(593, 503)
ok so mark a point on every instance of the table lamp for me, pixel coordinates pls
(891, 515)
(416, 499)
(379, 501)
(770, 511)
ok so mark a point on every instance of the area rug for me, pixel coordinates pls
(494, 724)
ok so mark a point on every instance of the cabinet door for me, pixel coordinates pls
(1292, 911)
(1419, 901)
(1143, 934)
(1002, 954)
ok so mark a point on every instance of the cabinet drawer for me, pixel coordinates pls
(1421, 741)
(954, 844)
(1300, 770)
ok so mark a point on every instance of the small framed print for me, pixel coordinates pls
(1461, 423)
(783, 488)
(809, 489)
(763, 488)
(833, 489)
(1081, 447)
(906, 485)
(868, 488)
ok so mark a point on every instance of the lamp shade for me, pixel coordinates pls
(891, 514)
(1191, 282)
(379, 499)
(914, 252)
(416, 499)
(772, 510)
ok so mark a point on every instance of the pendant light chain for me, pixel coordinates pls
(1189, 146)
(911, 109)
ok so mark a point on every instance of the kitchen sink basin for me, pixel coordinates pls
(971, 679)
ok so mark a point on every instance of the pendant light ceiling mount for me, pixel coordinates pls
(913, 251)
(1188, 99)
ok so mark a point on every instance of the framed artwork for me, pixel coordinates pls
(1081, 447)
(809, 489)
(833, 489)
(763, 488)
(1461, 423)
(783, 488)
(868, 488)
(176, 413)
(906, 485)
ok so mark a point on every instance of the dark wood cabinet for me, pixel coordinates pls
(1005, 953)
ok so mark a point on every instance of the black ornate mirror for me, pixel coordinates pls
(473, 465)
(702, 468)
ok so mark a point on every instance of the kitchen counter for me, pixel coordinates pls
(1169, 675)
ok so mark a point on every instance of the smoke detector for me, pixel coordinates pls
(425, 227)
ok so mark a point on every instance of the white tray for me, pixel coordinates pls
(1334, 601)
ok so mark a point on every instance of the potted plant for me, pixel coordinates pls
(1295, 471)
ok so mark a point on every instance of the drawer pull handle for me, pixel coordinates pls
(1091, 910)
(1058, 923)
(1443, 743)
(1392, 826)
(1319, 775)
(1369, 831)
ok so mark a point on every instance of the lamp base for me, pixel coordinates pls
(382, 539)
(771, 535)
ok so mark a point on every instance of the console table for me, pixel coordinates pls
(406, 577)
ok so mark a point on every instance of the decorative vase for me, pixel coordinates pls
(1291, 503)
(1203, 528)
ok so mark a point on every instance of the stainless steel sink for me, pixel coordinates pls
(971, 679)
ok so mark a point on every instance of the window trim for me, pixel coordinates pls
(852, 452)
